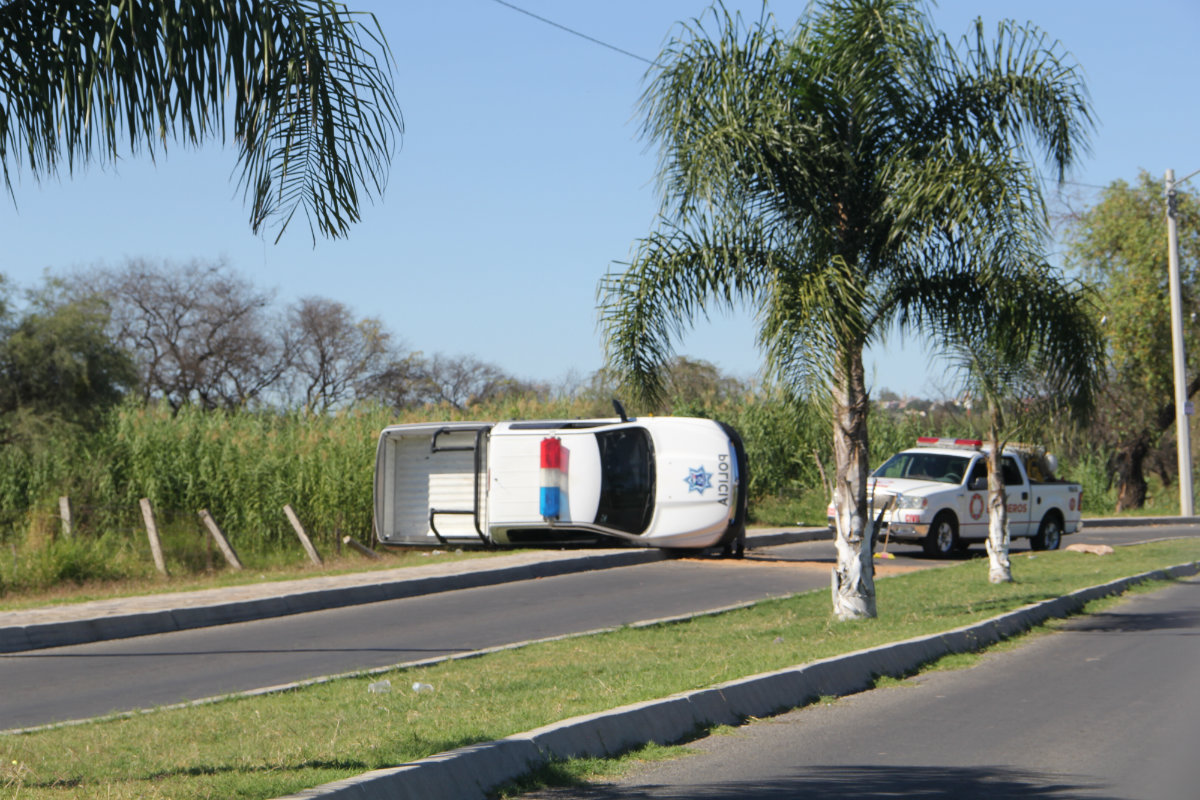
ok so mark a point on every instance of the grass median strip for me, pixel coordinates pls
(263, 747)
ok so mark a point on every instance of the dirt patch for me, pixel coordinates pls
(882, 568)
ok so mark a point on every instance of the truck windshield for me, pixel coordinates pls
(940, 467)
(626, 479)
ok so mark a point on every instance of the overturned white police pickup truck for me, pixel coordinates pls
(671, 482)
(935, 495)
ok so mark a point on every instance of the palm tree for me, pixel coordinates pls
(825, 178)
(1040, 357)
(307, 83)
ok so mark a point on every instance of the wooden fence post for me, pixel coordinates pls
(160, 563)
(64, 513)
(350, 540)
(313, 555)
(220, 539)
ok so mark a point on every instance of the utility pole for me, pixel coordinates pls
(1182, 429)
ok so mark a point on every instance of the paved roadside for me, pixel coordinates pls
(119, 618)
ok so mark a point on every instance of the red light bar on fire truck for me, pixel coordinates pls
(552, 477)
(935, 441)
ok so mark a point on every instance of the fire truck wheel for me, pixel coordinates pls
(942, 539)
(1049, 533)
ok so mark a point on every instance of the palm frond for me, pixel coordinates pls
(1021, 87)
(718, 110)
(677, 276)
(812, 317)
(314, 113)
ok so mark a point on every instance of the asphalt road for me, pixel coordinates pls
(89, 680)
(1108, 708)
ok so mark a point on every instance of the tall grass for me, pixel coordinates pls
(243, 467)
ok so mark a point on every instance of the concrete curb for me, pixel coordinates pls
(474, 771)
(19, 638)
(1131, 522)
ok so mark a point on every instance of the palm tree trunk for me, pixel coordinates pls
(854, 577)
(999, 566)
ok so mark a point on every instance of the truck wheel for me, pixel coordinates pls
(735, 548)
(1049, 534)
(942, 539)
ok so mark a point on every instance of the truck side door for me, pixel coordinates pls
(974, 514)
(1016, 487)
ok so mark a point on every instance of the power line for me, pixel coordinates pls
(644, 60)
(574, 32)
(1054, 182)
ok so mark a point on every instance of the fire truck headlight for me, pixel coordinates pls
(911, 502)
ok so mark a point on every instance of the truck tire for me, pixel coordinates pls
(942, 539)
(735, 548)
(1049, 534)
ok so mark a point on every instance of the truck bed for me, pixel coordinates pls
(430, 475)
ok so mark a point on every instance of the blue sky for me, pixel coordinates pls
(522, 178)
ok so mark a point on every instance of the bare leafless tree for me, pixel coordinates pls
(462, 381)
(334, 357)
(199, 332)
(456, 381)
(402, 383)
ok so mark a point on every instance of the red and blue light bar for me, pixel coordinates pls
(552, 477)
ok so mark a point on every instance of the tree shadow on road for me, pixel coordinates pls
(1133, 621)
(861, 783)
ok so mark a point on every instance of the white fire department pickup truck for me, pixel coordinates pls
(671, 482)
(936, 495)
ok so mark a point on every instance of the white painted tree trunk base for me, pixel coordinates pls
(853, 580)
(999, 565)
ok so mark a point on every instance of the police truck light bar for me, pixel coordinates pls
(552, 477)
